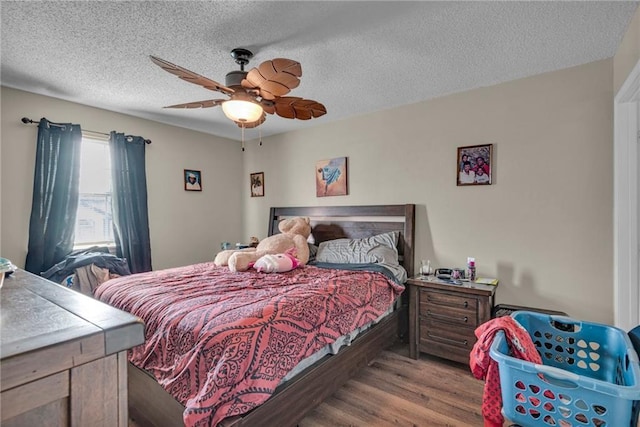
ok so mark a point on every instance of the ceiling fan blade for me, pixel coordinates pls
(268, 106)
(292, 107)
(286, 65)
(274, 78)
(252, 124)
(190, 76)
(272, 90)
(199, 104)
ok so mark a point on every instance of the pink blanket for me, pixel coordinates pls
(220, 342)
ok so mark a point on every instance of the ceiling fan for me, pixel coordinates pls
(252, 94)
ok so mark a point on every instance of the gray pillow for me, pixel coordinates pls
(313, 250)
(375, 249)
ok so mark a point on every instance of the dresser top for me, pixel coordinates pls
(36, 313)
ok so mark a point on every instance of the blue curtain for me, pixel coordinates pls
(130, 214)
(55, 195)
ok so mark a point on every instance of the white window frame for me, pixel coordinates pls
(103, 139)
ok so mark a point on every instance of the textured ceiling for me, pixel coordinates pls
(357, 57)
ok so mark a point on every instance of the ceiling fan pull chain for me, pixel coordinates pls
(243, 137)
(260, 133)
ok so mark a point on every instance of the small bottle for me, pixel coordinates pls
(471, 269)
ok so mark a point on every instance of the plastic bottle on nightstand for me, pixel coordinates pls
(471, 269)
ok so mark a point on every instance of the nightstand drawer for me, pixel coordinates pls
(461, 302)
(448, 314)
(446, 333)
(446, 340)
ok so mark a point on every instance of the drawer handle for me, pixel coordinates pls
(449, 340)
(431, 300)
(465, 319)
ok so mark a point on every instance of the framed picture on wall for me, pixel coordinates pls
(257, 184)
(331, 177)
(192, 180)
(474, 165)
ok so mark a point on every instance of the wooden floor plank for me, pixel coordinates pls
(448, 387)
(334, 412)
(398, 391)
(434, 400)
(404, 412)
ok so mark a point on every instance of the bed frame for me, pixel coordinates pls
(151, 405)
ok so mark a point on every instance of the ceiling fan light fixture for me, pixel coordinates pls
(242, 111)
(252, 94)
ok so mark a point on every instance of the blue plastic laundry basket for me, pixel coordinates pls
(589, 377)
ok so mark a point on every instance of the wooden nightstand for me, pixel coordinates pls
(443, 317)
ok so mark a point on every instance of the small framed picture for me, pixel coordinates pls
(257, 184)
(474, 165)
(192, 180)
(331, 177)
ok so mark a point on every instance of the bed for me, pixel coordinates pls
(286, 402)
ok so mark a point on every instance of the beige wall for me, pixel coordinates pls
(186, 227)
(628, 53)
(544, 228)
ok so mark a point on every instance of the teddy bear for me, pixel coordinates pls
(293, 235)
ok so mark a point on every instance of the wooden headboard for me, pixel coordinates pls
(355, 222)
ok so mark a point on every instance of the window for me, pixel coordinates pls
(94, 222)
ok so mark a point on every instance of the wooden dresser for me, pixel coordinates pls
(63, 356)
(443, 317)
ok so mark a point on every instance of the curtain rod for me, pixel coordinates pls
(27, 120)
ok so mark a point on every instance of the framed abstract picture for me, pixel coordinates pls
(474, 165)
(192, 180)
(331, 177)
(257, 184)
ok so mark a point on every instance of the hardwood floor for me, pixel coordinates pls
(398, 391)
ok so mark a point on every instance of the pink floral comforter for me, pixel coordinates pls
(220, 342)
